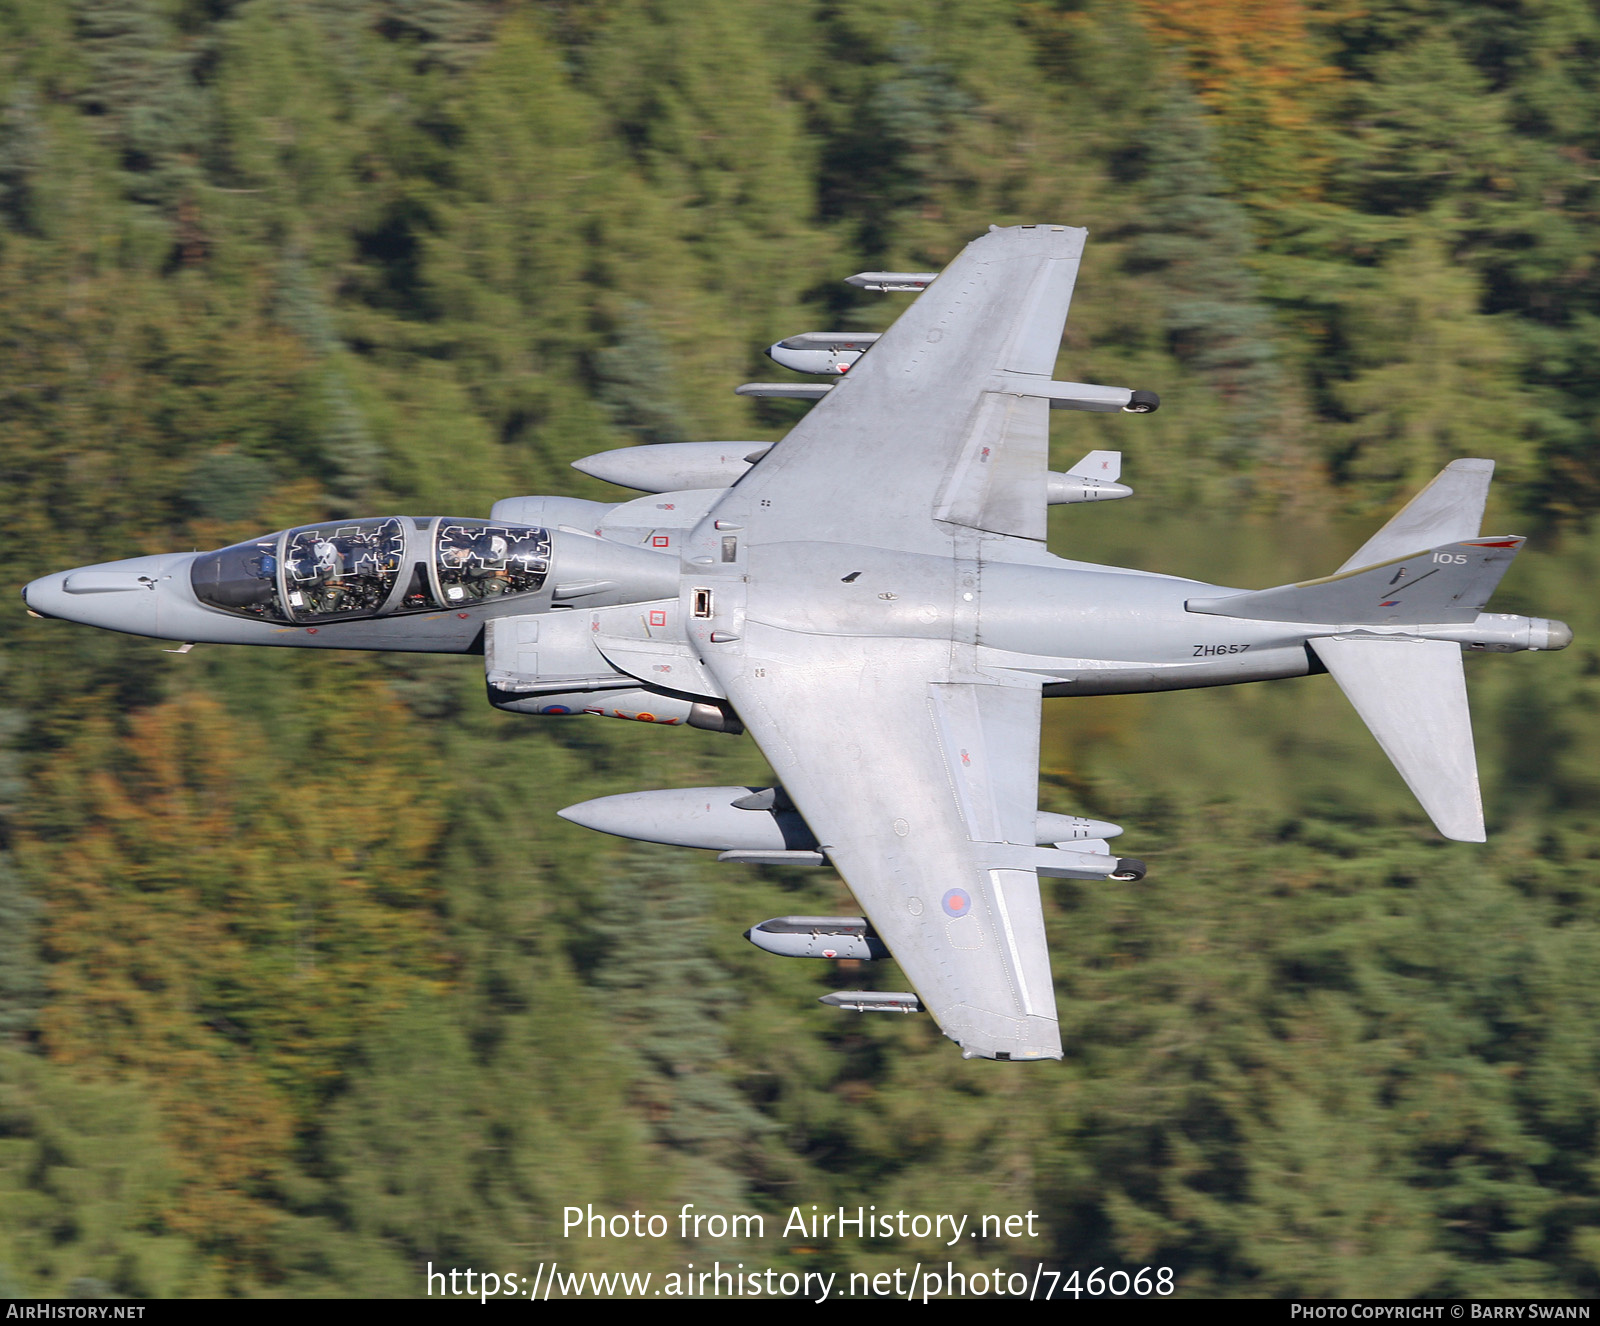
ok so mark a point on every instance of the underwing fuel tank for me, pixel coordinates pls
(699, 817)
(873, 1001)
(758, 819)
(670, 467)
(638, 704)
(818, 937)
(821, 352)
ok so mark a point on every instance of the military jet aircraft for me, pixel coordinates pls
(872, 599)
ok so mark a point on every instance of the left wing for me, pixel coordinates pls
(921, 787)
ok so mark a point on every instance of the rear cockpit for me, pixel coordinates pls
(354, 569)
(476, 561)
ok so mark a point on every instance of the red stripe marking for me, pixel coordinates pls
(1508, 543)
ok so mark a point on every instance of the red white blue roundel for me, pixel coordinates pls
(957, 902)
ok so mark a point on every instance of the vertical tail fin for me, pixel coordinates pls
(1448, 510)
(1426, 571)
(1412, 694)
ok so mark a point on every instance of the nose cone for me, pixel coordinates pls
(45, 596)
(119, 596)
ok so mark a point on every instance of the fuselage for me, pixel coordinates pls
(432, 584)
(437, 584)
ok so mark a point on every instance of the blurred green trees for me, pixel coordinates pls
(302, 985)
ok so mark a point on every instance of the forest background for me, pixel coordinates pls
(303, 985)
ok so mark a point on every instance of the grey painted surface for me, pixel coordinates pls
(1412, 694)
(872, 599)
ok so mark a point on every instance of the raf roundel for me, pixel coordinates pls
(957, 902)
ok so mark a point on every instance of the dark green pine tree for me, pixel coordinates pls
(21, 983)
(22, 156)
(666, 997)
(352, 460)
(636, 382)
(448, 33)
(1194, 241)
(886, 156)
(21, 976)
(141, 83)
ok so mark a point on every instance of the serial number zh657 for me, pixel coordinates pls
(1204, 651)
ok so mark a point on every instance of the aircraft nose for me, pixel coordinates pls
(43, 596)
(116, 595)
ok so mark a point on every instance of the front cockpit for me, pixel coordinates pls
(348, 570)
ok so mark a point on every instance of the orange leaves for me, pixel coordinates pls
(1259, 65)
(1266, 43)
(226, 919)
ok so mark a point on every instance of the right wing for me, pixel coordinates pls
(943, 427)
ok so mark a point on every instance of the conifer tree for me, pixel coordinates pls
(23, 148)
(636, 382)
(667, 1000)
(1193, 240)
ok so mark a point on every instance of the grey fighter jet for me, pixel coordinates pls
(872, 599)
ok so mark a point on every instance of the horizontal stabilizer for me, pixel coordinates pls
(1412, 694)
(1445, 584)
(1448, 510)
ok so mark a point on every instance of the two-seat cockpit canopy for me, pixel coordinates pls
(346, 570)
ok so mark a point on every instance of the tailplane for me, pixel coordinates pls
(1390, 623)
(1412, 694)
